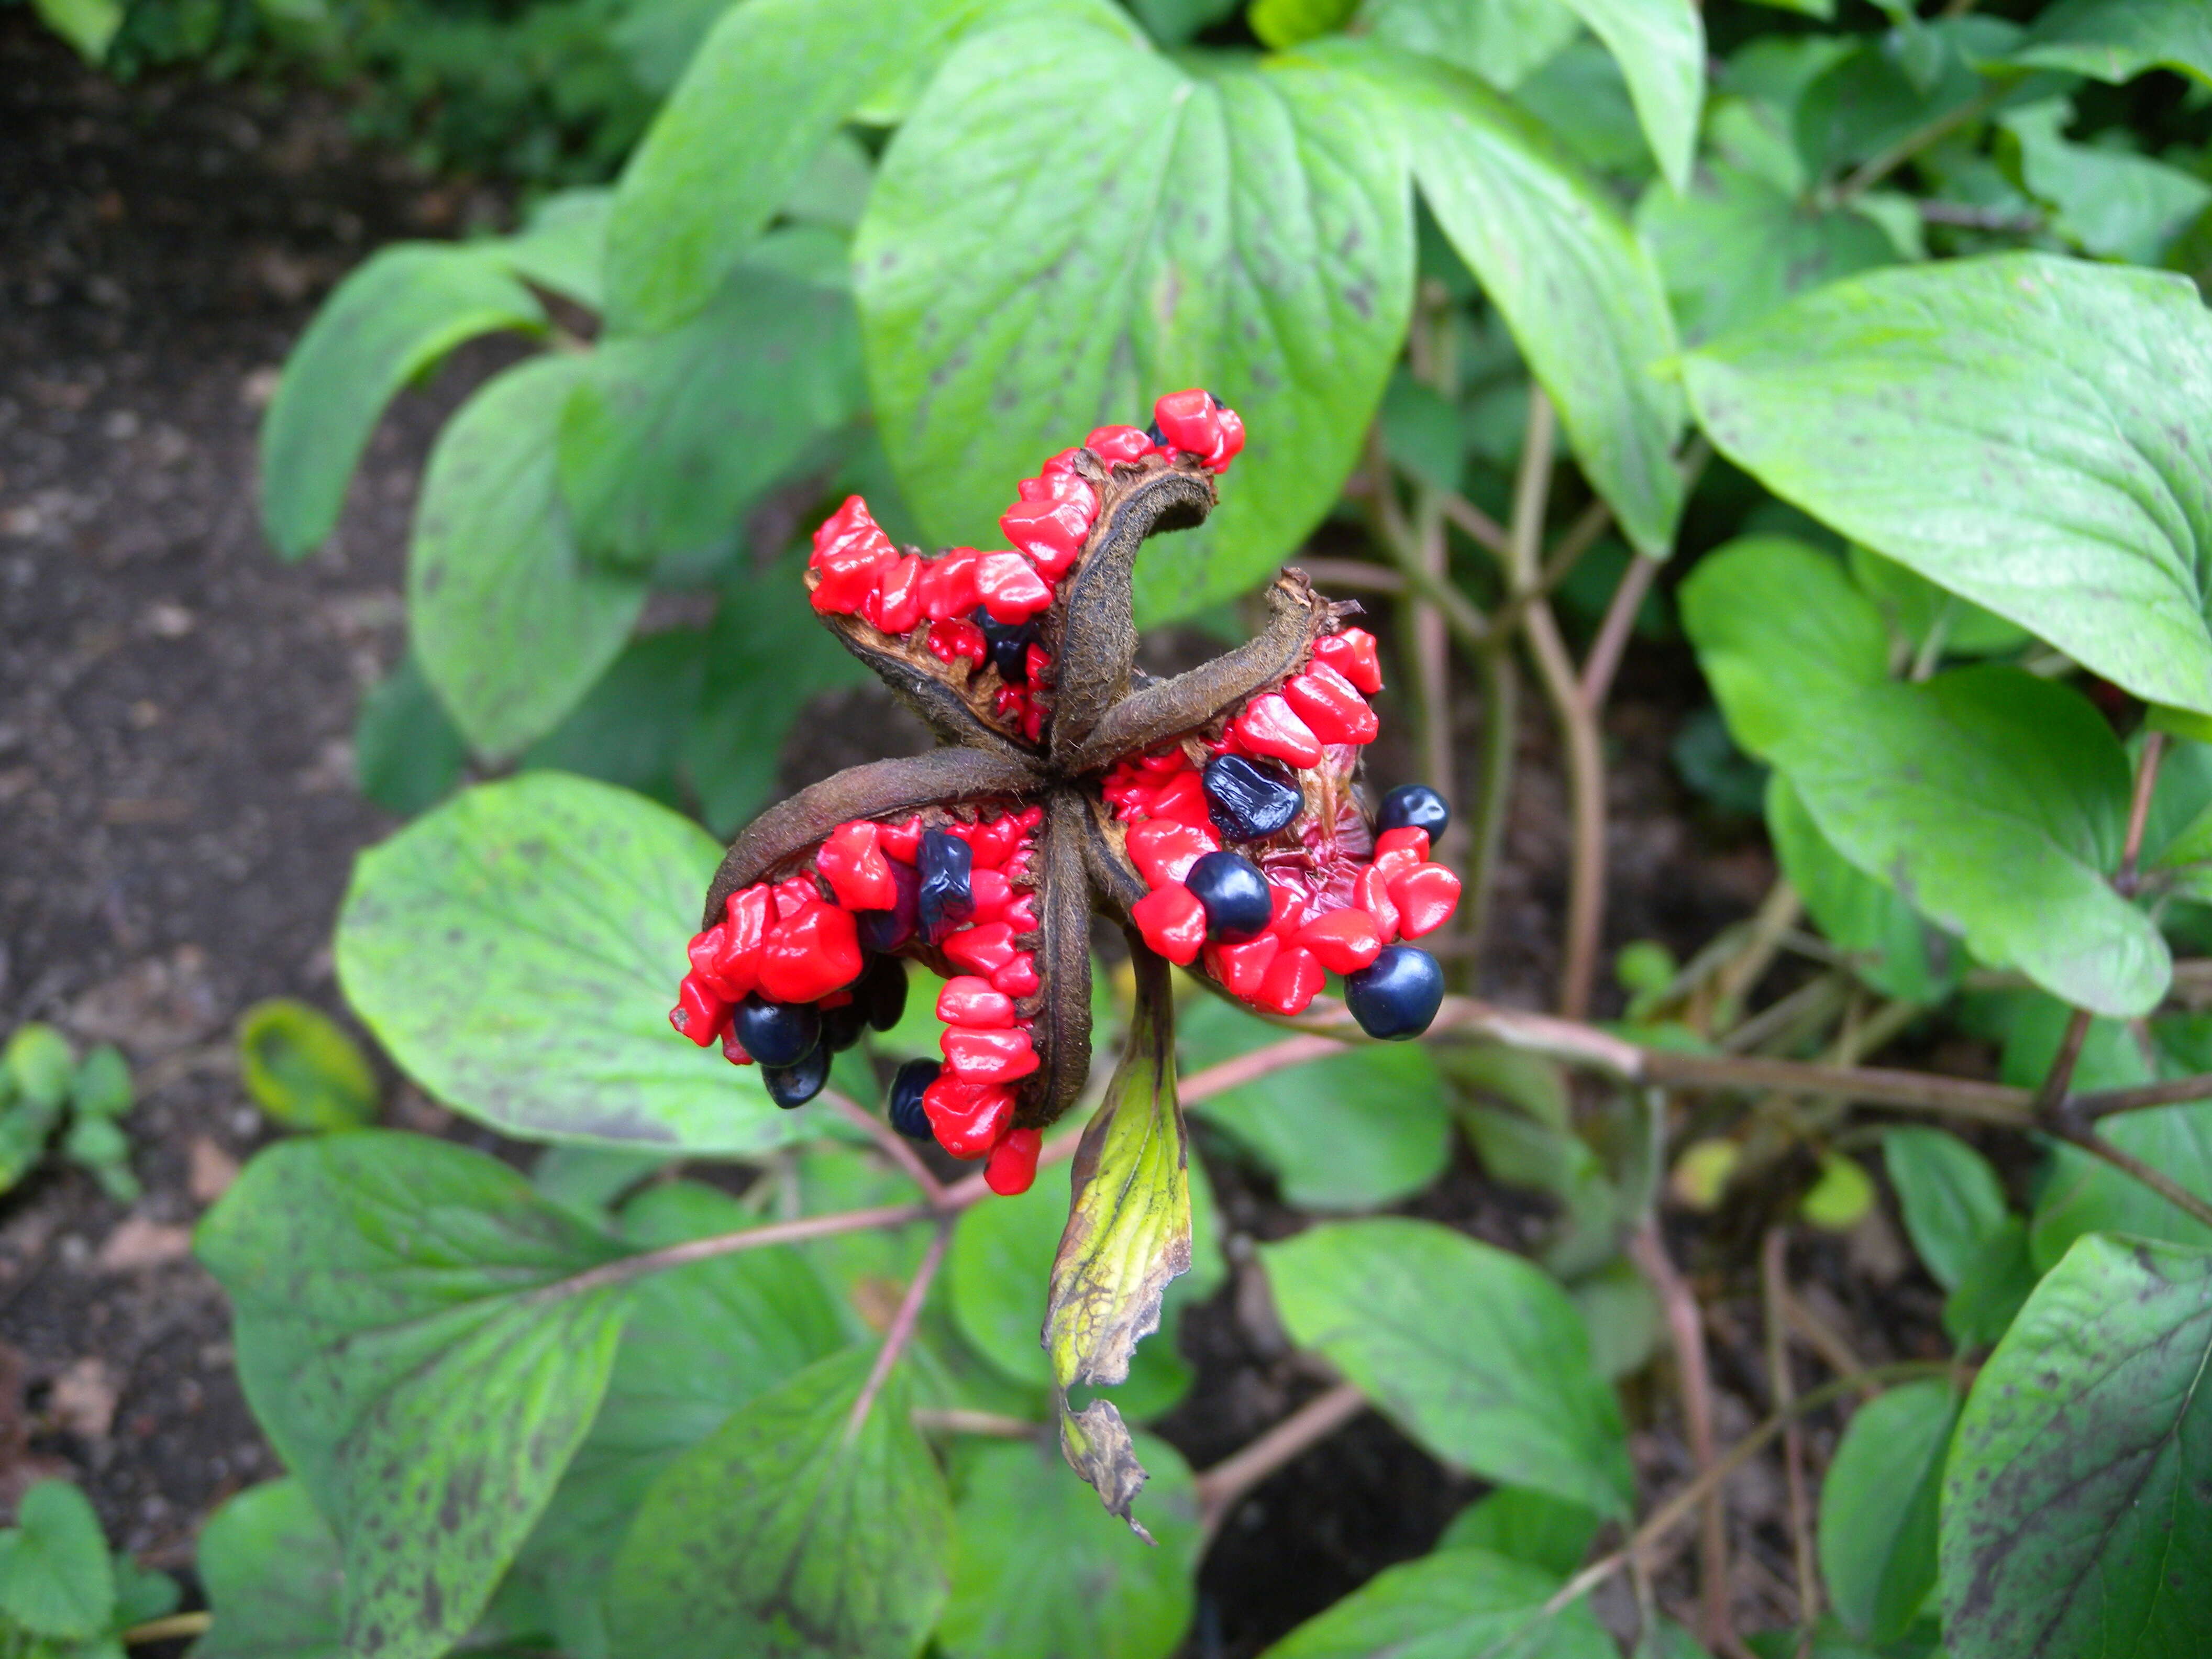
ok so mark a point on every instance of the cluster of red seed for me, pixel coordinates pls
(863, 573)
(1335, 901)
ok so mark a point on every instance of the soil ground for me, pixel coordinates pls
(177, 813)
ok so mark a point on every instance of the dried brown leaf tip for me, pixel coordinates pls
(1217, 815)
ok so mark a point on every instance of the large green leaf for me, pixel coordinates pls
(1887, 942)
(1950, 1196)
(272, 1574)
(1530, 1527)
(88, 25)
(1660, 45)
(2074, 1518)
(1558, 258)
(55, 1578)
(1456, 1604)
(1041, 1571)
(793, 1533)
(391, 320)
(516, 950)
(511, 623)
(1877, 1502)
(2109, 202)
(670, 437)
(2118, 40)
(1244, 229)
(406, 1337)
(2072, 397)
(1474, 1352)
(1734, 246)
(1501, 40)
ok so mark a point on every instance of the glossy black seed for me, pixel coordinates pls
(881, 989)
(1248, 800)
(1154, 432)
(1396, 995)
(886, 931)
(1414, 806)
(1235, 895)
(794, 1085)
(905, 1114)
(842, 1026)
(1009, 643)
(947, 898)
(777, 1033)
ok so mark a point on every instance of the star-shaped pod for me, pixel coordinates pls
(1217, 815)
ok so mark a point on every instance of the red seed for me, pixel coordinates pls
(1370, 892)
(734, 1051)
(1018, 978)
(1241, 967)
(1119, 443)
(1343, 941)
(810, 955)
(902, 841)
(1033, 719)
(950, 641)
(1164, 850)
(1182, 798)
(789, 897)
(1352, 655)
(1059, 466)
(948, 584)
(1425, 896)
(1029, 817)
(1013, 1162)
(1411, 838)
(849, 548)
(1269, 726)
(1287, 909)
(992, 893)
(969, 1119)
(1036, 664)
(1171, 759)
(1231, 443)
(1189, 420)
(970, 1001)
(708, 951)
(855, 867)
(1293, 979)
(1061, 486)
(1050, 533)
(698, 1014)
(1010, 587)
(983, 949)
(994, 842)
(894, 603)
(1173, 922)
(850, 519)
(988, 1056)
(1328, 703)
(1021, 915)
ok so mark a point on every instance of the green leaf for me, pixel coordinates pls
(1284, 23)
(1887, 943)
(390, 321)
(1501, 40)
(1951, 1198)
(406, 1337)
(272, 1574)
(1241, 228)
(762, 95)
(1997, 1279)
(407, 755)
(1734, 246)
(1926, 618)
(631, 728)
(1559, 260)
(1454, 1604)
(88, 25)
(511, 624)
(302, 1069)
(1039, 1570)
(2073, 393)
(2107, 202)
(2116, 40)
(1532, 1528)
(2073, 1519)
(669, 438)
(38, 1062)
(1128, 1234)
(559, 910)
(55, 1578)
(101, 1087)
(1504, 1387)
(1171, 23)
(1361, 1128)
(1660, 45)
(791, 1533)
(1878, 1500)
(563, 245)
(2085, 1195)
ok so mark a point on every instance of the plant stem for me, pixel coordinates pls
(893, 1145)
(1738, 976)
(1686, 1332)
(1532, 489)
(1774, 1285)
(1664, 1519)
(1576, 539)
(1501, 724)
(1880, 166)
(1432, 671)
(995, 1425)
(2139, 809)
(1603, 661)
(752, 1238)
(1221, 1487)
(1477, 524)
(2174, 1091)
(1585, 758)
(169, 1628)
(2127, 1163)
(902, 1329)
(1353, 573)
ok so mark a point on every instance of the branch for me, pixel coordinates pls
(1221, 1487)
(2139, 809)
(1880, 167)
(1774, 1283)
(994, 1425)
(893, 1145)
(1586, 804)
(1605, 652)
(2174, 1091)
(1686, 1332)
(902, 1329)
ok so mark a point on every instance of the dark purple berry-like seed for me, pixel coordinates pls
(1248, 800)
(886, 931)
(1396, 995)
(1158, 438)
(906, 1112)
(777, 1033)
(842, 1026)
(882, 991)
(1234, 894)
(794, 1085)
(1010, 645)
(1414, 806)
(947, 897)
